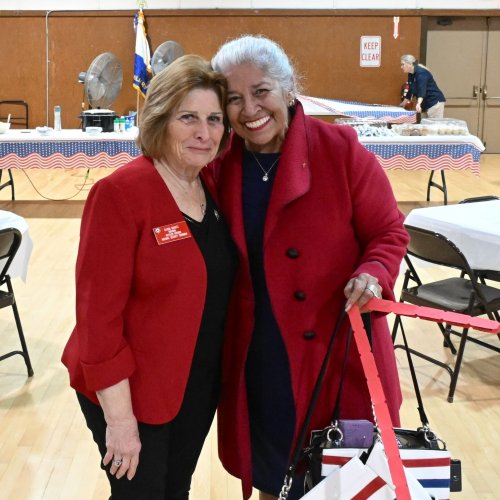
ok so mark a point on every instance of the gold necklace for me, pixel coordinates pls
(201, 192)
(265, 177)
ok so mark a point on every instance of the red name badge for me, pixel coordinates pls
(171, 232)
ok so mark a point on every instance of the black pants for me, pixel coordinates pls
(169, 452)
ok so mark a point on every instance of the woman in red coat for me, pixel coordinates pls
(153, 277)
(315, 221)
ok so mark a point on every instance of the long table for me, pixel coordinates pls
(434, 153)
(318, 106)
(66, 149)
(473, 227)
(77, 149)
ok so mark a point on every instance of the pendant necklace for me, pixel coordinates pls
(265, 177)
(202, 204)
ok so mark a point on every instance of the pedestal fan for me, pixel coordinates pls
(102, 84)
(165, 53)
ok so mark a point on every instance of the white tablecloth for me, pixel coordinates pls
(31, 135)
(19, 266)
(473, 227)
(319, 106)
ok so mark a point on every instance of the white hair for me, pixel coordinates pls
(264, 53)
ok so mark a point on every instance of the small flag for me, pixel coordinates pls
(142, 68)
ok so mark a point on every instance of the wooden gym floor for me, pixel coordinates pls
(46, 452)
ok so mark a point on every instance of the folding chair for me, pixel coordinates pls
(19, 119)
(479, 198)
(463, 294)
(10, 240)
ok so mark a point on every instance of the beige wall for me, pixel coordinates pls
(324, 47)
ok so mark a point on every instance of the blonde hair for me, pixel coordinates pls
(409, 59)
(165, 93)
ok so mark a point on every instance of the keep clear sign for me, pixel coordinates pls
(370, 51)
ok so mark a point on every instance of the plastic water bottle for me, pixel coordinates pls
(57, 118)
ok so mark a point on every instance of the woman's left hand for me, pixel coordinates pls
(361, 289)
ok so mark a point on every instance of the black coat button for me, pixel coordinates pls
(309, 335)
(293, 253)
(299, 295)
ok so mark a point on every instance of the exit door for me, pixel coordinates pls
(491, 89)
(463, 54)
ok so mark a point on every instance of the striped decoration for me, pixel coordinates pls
(75, 149)
(422, 162)
(431, 468)
(58, 160)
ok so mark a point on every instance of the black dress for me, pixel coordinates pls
(268, 379)
(219, 253)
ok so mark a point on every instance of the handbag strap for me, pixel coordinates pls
(421, 411)
(367, 323)
(336, 409)
(297, 452)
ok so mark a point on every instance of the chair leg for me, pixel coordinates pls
(458, 363)
(20, 332)
(397, 322)
(447, 339)
(25, 354)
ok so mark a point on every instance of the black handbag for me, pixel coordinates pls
(349, 438)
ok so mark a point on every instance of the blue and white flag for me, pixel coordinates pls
(142, 68)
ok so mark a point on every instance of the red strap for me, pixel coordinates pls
(379, 405)
(431, 314)
(372, 376)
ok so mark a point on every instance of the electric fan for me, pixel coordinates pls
(102, 84)
(102, 81)
(166, 53)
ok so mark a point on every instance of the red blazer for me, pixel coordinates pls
(138, 304)
(331, 216)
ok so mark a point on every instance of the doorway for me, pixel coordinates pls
(463, 54)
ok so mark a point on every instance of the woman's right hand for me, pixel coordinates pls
(122, 444)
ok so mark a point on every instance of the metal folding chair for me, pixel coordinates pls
(10, 240)
(464, 294)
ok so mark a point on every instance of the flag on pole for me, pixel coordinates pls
(142, 68)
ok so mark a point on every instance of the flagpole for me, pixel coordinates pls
(137, 107)
(144, 51)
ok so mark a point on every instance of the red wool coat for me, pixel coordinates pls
(332, 215)
(139, 304)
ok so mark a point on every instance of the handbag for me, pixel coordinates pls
(350, 453)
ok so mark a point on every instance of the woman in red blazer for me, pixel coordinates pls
(315, 222)
(153, 276)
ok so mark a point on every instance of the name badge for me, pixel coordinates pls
(171, 232)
